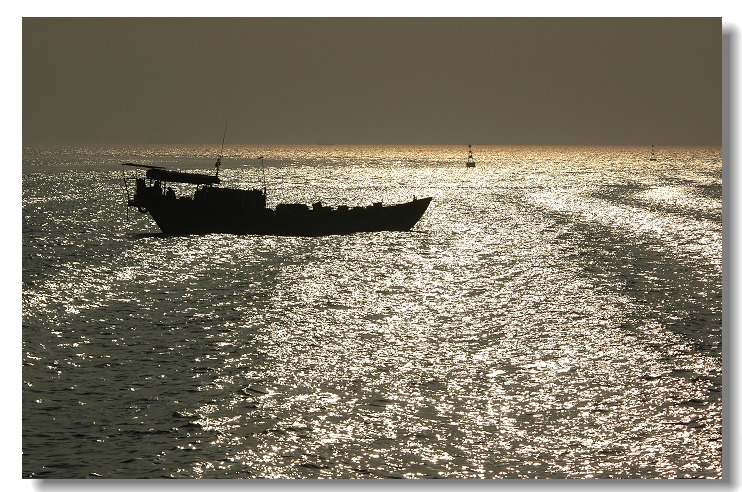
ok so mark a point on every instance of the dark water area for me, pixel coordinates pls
(556, 313)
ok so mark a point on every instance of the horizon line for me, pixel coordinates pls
(326, 144)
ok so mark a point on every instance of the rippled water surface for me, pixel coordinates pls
(555, 313)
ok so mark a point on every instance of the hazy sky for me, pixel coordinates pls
(637, 81)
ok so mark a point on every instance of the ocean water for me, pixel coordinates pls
(556, 313)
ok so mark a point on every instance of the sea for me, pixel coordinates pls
(556, 313)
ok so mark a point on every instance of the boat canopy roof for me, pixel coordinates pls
(142, 165)
(179, 177)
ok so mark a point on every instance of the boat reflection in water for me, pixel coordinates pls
(212, 209)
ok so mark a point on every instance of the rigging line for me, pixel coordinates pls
(126, 190)
(262, 168)
(223, 137)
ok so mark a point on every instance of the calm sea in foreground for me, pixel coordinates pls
(556, 313)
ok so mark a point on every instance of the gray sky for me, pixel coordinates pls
(483, 81)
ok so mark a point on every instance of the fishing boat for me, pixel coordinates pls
(209, 208)
(470, 160)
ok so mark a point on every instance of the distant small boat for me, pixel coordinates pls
(470, 161)
(652, 157)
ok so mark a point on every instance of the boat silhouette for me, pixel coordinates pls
(215, 209)
(470, 160)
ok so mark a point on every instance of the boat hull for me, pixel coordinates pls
(188, 216)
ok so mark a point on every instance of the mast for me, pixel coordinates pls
(221, 154)
(262, 168)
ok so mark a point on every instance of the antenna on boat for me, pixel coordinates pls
(221, 154)
(262, 168)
